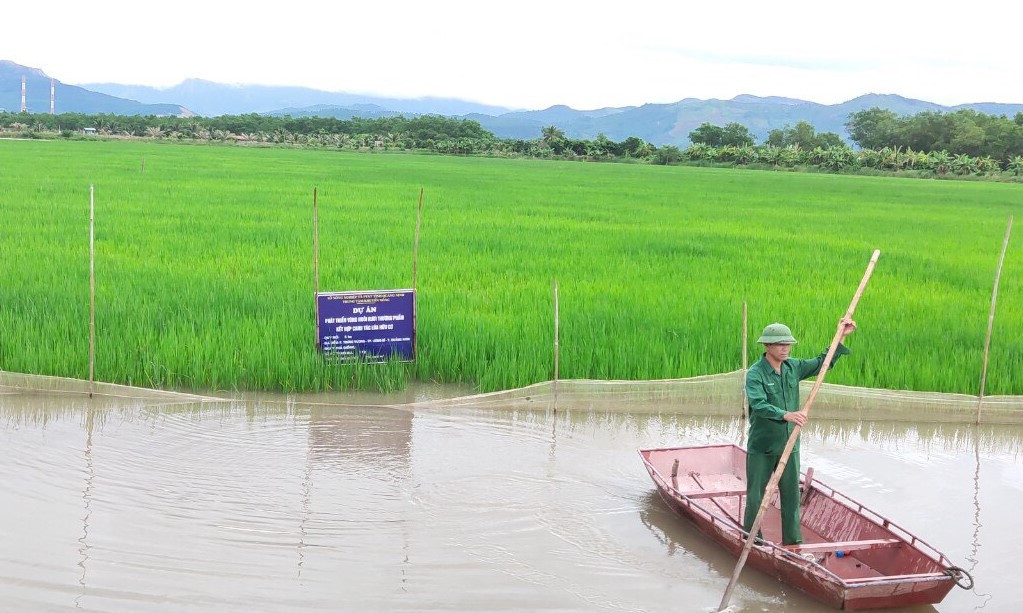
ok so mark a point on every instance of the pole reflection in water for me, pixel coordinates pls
(90, 475)
(974, 556)
(258, 504)
(307, 487)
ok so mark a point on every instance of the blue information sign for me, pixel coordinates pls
(371, 325)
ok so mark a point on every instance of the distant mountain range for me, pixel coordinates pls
(659, 124)
(68, 98)
(209, 98)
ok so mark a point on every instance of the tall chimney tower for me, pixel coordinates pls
(24, 107)
(51, 97)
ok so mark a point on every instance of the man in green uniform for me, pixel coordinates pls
(772, 387)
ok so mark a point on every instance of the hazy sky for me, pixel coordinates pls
(531, 53)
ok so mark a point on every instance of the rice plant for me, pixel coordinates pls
(204, 267)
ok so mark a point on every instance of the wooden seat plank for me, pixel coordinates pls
(715, 493)
(847, 545)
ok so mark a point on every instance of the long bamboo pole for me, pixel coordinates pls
(556, 348)
(92, 289)
(991, 318)
(316, 269)
(772, 485)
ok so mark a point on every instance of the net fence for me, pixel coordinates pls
(720, 394)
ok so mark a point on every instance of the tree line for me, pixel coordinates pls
(961, 143)
(964, 132)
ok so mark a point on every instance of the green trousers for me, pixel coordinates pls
(759, 468)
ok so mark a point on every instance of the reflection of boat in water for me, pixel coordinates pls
(851, 558)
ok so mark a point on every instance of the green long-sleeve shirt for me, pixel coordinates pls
(772, 394)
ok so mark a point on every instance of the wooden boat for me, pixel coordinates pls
(851, 557)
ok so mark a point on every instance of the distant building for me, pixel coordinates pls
(89, 131)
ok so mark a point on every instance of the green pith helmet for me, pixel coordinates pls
(777, 333)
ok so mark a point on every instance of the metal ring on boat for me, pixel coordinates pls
(958, 574)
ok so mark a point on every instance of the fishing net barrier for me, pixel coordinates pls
(709, 395)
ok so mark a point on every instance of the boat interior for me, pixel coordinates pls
(839, 534)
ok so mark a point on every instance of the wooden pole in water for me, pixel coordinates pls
(316, 270)
(92, 289)
(415, 281)
(991, 318)
(772, 485)
(556, 356)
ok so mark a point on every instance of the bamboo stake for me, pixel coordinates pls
(745, 359)
(415, 247)
(772, 485)
(415, 266)
(556, 348)
(742, 384)
(991, 319)
(92, 289)
(316, 269)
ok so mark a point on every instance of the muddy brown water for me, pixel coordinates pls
(343, 504)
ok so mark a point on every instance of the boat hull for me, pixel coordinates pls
(861, 560)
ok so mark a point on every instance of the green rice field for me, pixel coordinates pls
(204, 267)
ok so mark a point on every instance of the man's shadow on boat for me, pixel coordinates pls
(680, 537)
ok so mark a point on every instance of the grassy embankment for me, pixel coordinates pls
(204, 267)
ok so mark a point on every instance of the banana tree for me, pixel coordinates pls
(941, 161)
(818, 156)
(869, 158)
(745, 154)
(728, 153)
(699, 151)
(963, 164)
(988, 164)
(837, 158)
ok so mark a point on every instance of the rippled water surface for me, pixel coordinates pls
(283, 505)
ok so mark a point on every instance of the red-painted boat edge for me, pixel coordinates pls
(810, 578)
